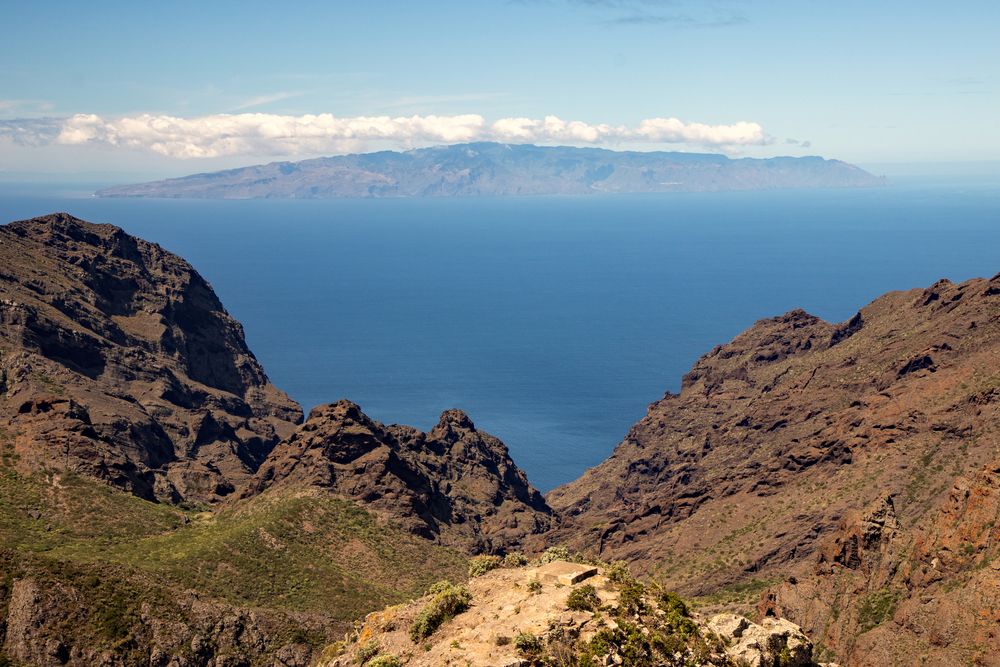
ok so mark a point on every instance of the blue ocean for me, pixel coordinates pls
(552, 321)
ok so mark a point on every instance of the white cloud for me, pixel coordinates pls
(263, 134)
(671, 130)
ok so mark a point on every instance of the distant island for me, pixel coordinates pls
(493, 169)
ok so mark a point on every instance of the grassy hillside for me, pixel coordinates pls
(307, 564)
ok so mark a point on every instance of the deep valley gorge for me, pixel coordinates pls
(163, 503)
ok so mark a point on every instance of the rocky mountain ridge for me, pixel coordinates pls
(844, 471)
(493, 169)
(455, 485)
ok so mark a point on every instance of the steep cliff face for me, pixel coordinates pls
(455, 484)
(118, 361)
(183, 632)
(854, 464)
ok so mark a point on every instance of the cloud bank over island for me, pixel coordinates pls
(221, 135)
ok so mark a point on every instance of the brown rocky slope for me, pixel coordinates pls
(118, 361)
(455, 484)
(850, 470)
(123, 384)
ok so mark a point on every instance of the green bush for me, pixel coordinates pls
(876, 608)
(672, 604)
(515, 559)
(535, 586)
(445, 605)
(639, 648)
(554, 553)
(619, 573)
(525, 642)
(385, 661)
(368, 650)
(480, 565)
(630, 602)
(584, 598)
(438, 586)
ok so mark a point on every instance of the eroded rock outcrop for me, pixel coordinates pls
(453, 484)
(118, 361)
(774, 641)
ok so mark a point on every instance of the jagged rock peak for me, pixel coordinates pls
(455, 419)
(342, 410)
(454, 484)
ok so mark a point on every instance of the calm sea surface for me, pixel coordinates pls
(552, 321)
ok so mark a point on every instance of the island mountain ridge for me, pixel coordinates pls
(492, 169)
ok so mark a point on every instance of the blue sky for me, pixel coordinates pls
(867, 82)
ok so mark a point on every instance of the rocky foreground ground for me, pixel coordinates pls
(563, 613)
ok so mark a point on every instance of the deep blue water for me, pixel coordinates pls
(552, 321)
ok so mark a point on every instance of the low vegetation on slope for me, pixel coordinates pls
(91, 571)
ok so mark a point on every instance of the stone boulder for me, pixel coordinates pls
(775, 641)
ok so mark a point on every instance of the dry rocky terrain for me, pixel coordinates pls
(564, 613)
(848, 473)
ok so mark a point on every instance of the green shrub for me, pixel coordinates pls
(644, 647)
(619, 573)
(368, 650)
(525, 642)
(438, 586)
(630, 602)
(515, 559)
(535, 586)
(583, 598)
(445, 605)
(876, 608)
(554, 553)
(480, 565)
(385, 661)
(672, 604)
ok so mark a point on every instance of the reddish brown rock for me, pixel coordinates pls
(856, 463)
(118, 361)
(455, 484)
